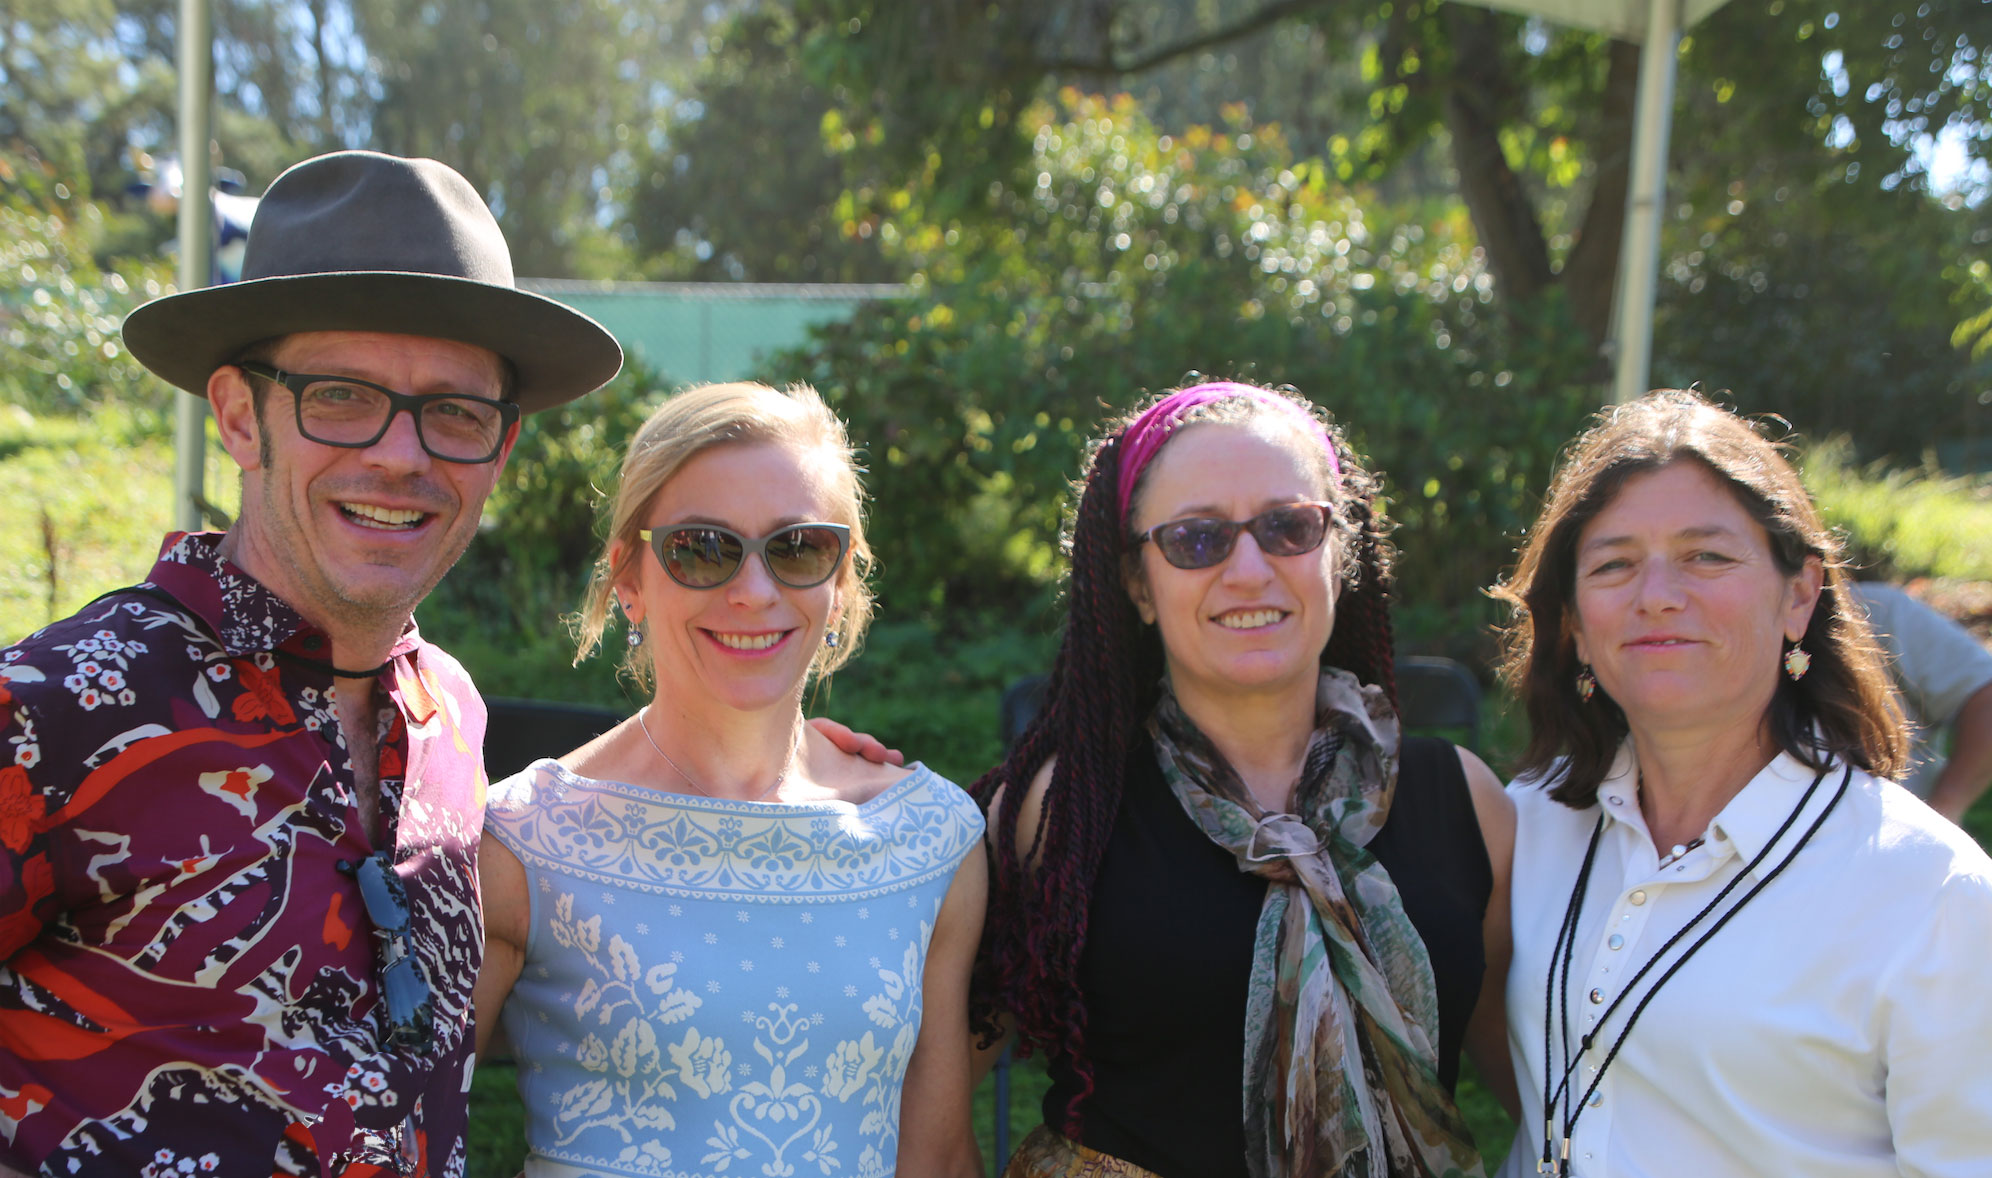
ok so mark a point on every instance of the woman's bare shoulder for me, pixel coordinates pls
(847, 776)
(1030, 811)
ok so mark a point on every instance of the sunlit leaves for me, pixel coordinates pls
(60, 347)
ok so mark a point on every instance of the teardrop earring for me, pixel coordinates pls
(1797, 662)
(1587, 684)
(635, 635)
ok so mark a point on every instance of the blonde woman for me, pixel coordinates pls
(720, 944)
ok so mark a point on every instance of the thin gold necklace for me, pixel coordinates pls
(643, 722)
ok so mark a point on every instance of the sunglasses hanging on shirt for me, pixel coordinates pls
(404, 991)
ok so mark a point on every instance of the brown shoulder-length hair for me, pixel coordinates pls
(1844, 709)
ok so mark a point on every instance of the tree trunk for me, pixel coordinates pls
(1504, 217)
(328, 135)
(1590, 270)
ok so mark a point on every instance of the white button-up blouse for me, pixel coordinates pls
(1838, 1026)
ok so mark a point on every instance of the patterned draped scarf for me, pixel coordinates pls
(1342, 1025)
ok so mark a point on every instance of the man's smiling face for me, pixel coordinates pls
(354, 537)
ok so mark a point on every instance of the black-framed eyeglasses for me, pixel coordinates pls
(705, 556)
(411, 1007)
(1201, 542)
(353, 413)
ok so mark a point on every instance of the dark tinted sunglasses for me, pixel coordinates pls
(703, 556)
(1200, 542)
(411, 1009)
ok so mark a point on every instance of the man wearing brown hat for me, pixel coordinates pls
(240, 800)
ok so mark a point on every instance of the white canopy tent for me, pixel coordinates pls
(1656, 25)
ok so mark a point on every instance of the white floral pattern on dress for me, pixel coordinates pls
(629, 1083)
(638, 1060)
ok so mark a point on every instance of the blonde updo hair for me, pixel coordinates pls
(687, 425)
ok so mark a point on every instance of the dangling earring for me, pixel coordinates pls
(1587, 684)
(830, 639)
(635, 635)
(1797, 662)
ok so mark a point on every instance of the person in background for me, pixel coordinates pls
(241, 799)
(1251, 923)
(1945, 676)
(720, 944)
(1739, 948)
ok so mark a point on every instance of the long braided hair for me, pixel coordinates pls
(1103, 685)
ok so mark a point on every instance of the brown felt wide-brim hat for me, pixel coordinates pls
(361, 241)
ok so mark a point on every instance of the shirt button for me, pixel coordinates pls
(1615, 800)
(1637, 898)
(1615, 941)
(312, 642)
(1597, 995)
(1597, 1098)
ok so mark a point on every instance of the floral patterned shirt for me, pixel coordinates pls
(188, 974)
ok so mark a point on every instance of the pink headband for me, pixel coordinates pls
(1141, 441)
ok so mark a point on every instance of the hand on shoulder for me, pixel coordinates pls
(851, 774)
(856, 744)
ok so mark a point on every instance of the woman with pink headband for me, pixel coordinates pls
(1213, 853)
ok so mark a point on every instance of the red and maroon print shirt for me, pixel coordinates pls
(188, 978)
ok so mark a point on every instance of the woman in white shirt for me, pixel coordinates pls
(1739, 948)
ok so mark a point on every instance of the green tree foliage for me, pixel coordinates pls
(77, 86)
(1127, 260)
(60, 311)
(85, 86)
(741, 186)
(544, 106)
(1807, 112)
(1807, 268)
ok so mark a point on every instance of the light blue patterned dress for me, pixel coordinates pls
(721, 988)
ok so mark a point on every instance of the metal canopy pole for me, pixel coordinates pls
(1639, 257)
(196, 248)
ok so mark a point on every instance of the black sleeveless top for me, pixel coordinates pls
(1169, 954)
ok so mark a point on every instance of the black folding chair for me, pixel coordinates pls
(1440, 694)
(520, 731)
(1021, 701)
